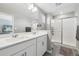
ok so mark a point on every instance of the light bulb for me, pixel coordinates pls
(31, 6)
(34, 9)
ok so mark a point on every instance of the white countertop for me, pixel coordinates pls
(8, 41)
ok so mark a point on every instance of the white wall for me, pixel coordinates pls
(20, 24)
(77, 17)
(22, 15)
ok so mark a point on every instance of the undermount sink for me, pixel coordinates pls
(10, 39)
(15, 39)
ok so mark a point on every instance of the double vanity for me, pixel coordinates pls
(24, 44)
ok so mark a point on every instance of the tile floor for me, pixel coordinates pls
(62, 51)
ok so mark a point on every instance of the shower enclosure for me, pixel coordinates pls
(63, 29)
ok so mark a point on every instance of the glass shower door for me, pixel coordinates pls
(56, 29)
(69, 31)
(64, 31)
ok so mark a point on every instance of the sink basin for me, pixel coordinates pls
(13, 39)
(16, 39)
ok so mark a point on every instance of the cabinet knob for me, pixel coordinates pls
(25, 53)
(43, 43)
(22, 55)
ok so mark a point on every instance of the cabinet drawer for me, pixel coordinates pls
(14, 49)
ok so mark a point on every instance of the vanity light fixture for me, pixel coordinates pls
(32, 8)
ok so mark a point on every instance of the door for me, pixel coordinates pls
(41, 45)
(44, 44)
(39, 48)
(31, 51)
(21, 53)
(69, 31)
(56, 28)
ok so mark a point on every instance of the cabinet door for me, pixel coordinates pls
(39, 48)
(44, 44)
(29, 51)
(21, 53)
(69, 31)
(41, 45)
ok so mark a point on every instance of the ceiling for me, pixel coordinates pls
(21, 9)
(54, 9)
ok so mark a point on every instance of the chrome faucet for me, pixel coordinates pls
(14, 35)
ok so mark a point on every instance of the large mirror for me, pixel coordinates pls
(6, 23)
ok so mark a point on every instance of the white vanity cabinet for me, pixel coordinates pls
(35, 46)
(20, 49)
(41, 45)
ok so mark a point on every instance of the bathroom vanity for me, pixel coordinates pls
(25, 44)
(20, 44)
